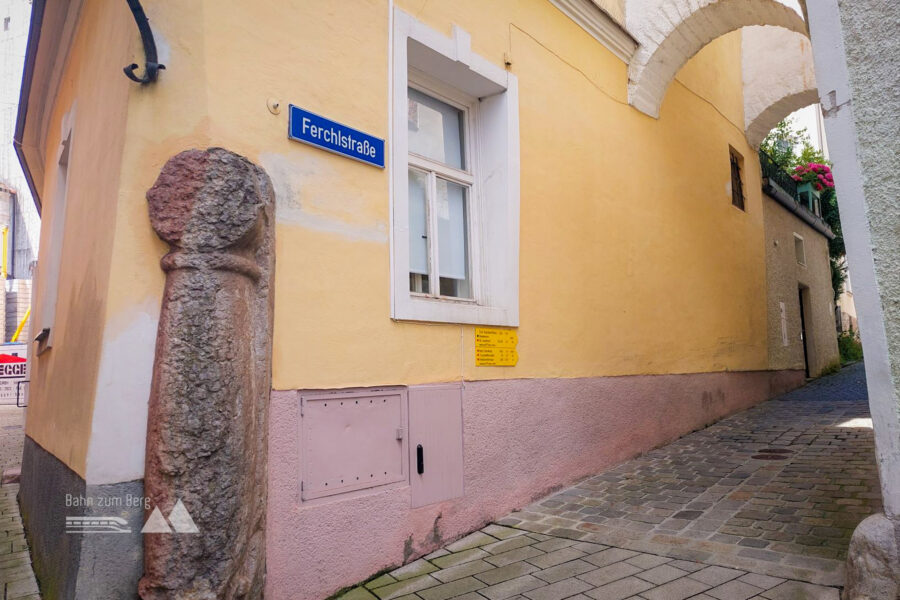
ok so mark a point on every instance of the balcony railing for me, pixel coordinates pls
(778, 183)
(773, 172)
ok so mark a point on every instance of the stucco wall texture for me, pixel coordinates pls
(872, 45)
(680, 266)
(784, 276)
(93, 91)
(521, 439)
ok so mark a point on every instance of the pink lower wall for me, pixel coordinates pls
(522, 439)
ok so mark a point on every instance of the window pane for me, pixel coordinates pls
(453, 251)
(435, 130)
(418, 231)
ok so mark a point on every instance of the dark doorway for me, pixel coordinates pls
(803, 336)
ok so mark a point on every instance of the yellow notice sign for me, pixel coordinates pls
(496, 347)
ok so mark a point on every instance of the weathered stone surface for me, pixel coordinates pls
(206, 438)
(873, 562)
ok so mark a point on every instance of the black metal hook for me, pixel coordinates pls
(151, 71)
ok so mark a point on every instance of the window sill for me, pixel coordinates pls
(428, 309)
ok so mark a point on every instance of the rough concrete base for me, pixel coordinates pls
(873, 562)
(75, 566)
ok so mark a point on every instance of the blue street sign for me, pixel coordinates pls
(316, 130)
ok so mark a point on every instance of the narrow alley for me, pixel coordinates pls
(758, 505)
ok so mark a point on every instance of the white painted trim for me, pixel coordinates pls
(495, 189)
(600, 25)
(833, 79)
(116, 451)
(47, 294)
(797, 236)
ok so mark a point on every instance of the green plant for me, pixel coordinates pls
(849, 347)
(809, 164)
(832, 367)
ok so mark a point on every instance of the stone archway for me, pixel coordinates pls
(779, 78)
(672, 31)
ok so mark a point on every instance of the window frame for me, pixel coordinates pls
(46, 297)
(467, 178)
(802, 247)
(448, 69)
(736, 160)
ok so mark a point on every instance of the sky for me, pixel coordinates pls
(14, 22)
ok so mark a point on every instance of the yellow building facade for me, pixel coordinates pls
(607, 239)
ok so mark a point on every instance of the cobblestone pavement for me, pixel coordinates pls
(503, 563)
(16, 577)
(776, 489)
(12, 436)
(758, 506)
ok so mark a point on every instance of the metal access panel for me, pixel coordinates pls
(435, 443)
(352, 440)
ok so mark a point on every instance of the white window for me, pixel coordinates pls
(439, 196)
(49, 267)
(799, 250)
(455, 181)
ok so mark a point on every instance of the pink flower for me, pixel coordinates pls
(796, 177)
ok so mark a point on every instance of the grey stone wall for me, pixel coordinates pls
(783, 278)
(872, 46)
(103, 566)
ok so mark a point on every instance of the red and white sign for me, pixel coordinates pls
(13, 369)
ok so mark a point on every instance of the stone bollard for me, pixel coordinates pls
(873, 560)
(207, 421)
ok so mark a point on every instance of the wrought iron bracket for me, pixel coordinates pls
(151, 70)
(19, 397)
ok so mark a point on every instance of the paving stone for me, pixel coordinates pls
(589, 547)
(609, 573)
(607, 557)
(764, 582)
(552, 544)
(501, 532)
(559, 590)
(687, 565)
(676, 590)
(716, 575)
(358, 593)
(647, 561)
(380, 581)
(556, 557)
(462, 570)
(734, 590)
(706, 484)
(622, 588)
(794, 590)
(505, 573)
(413, 569)
(473, 540)
(408, 586)
(458, 558)
(511, 587)
(568, 569)
(452, 589)
(513, 556)
(662, 574)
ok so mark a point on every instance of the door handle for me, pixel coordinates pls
(420, 460)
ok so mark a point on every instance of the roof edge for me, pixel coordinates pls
(34, 40)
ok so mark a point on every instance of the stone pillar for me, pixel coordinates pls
(207, 422)
(856, 49)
